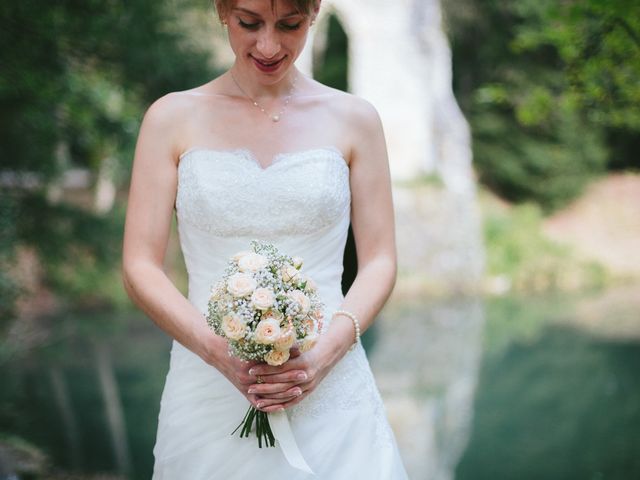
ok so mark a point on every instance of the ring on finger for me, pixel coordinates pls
(259, 379)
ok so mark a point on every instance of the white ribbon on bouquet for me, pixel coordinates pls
(282, 432)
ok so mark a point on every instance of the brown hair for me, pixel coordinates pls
(305, 7)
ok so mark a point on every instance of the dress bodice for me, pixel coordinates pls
(300, 202)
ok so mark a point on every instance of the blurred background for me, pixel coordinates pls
(511, 345)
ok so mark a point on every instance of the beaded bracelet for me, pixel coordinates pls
(356, 325)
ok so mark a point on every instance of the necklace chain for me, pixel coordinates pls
(287, 98)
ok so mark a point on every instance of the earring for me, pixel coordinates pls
(224, 24)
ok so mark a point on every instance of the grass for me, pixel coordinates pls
(519, 257)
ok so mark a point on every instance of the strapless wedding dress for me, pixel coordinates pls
(301, 203)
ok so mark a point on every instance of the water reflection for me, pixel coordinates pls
(88, 401)
(426, 360)
(535, 391)
(561, 400)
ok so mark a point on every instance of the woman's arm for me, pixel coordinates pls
(372, 219)
(149, 213)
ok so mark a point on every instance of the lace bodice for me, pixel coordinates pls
(227, 193)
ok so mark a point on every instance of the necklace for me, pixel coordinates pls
(287, 98)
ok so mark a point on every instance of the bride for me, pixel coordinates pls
(264, 152)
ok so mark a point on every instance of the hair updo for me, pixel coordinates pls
(305, 7)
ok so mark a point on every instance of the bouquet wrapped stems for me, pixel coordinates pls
(263, 429)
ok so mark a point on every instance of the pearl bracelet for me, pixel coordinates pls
(356, 325)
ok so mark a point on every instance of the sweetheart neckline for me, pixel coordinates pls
(248, 155)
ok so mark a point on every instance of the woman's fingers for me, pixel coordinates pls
(292, 376)
(270, 388)
(263, 403)
(295, 400)
(264, 369)
(287, 394)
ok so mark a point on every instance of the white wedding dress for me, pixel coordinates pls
(301, 203)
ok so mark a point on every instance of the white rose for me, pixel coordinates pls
(311, 285)
(252, 262)
(297, 262)
(289, 272)
(239, 255)
(301, 299)
(233, 326)
(308, 343)
(262, 298)
(267, 331)
(241, 284)
(285, 341)
(276, 357)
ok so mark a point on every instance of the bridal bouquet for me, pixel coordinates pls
(264, 306)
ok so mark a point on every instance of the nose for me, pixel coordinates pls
(268, 43)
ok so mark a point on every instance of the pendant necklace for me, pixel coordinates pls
(276, 117)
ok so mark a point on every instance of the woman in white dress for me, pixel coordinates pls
(264, 152)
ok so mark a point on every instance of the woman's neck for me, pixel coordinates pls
(257, 91)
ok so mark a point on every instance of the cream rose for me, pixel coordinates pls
(301, 299)
(241, 284)
(289, 272)
(252, 262)
(310, 286)
(275, 314)
(267, 331)
(239, 255)
(308, 343)
(285, 341)
(233, 326)
(309, 325)
(276, 357)
(262, 298)
(297, 262)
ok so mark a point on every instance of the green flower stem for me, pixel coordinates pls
(263, 428)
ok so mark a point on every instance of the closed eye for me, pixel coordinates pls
(248, 26)
(287, 26)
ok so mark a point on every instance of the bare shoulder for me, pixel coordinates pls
(169, 109)
(167, 120)
(357, 113)
(362, 115)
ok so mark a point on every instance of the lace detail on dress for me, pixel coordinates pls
(299, 193)
(343, 389)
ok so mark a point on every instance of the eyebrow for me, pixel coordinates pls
(254, 14)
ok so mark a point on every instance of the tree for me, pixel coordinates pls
(532, 84)
(76, 76)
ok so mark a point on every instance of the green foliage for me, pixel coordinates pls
(599, 46)
(331, 66)
(547, 86)
(522, 257)
(9, 289)
(76, 77)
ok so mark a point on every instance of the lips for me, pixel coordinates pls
(267, 66)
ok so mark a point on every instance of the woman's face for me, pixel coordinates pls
(266, 42)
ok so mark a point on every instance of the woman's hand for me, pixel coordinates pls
(290, 383)
(214, 351)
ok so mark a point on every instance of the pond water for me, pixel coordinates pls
(509, 388)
